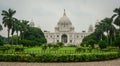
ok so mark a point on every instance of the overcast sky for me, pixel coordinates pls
(46, 13)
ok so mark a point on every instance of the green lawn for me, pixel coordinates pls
(62, 50)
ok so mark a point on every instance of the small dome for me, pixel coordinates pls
(32, 24)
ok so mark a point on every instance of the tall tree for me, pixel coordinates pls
(16, 28)
(1, 27)
(8, 19)
(35, 34)
(117, 19)
(109, 29)
(23, 27)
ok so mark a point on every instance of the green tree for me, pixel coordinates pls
(16, 28)
(102, 44)
(117, 19)
(8, 19)
(117, 42)
(1, 27)
(23, 27)
(1, 42)
(93, 36)
(60, 44)
(35, 34)
(109, 29)
(92, 43)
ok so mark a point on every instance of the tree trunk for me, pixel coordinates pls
(20, 35)
(101, 37)
(17, 38)
(8, 35)
(108, 37)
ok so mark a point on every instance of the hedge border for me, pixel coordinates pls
(59, 58)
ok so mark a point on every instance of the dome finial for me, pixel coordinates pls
(64, 13)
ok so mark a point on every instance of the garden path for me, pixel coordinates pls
(96, 63)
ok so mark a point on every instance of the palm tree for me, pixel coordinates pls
(109, 29)
(23, 27)
(8, 19)
(117, 19)
(99, 31)
(1, 27)
(16, 27)
(106, 26)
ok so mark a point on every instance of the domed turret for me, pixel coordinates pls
(32, 24)
(64, 24)
(90, 29)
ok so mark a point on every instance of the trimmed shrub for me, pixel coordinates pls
(79, 49)
(102, 44)
(117, 42)
(4, 48)
(60, 44)
(59, 58)
(92, 42)
(28, 43)
(1, 42)
(83, 49)
(19, 49)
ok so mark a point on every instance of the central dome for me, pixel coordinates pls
(64, 20)
(64, 24)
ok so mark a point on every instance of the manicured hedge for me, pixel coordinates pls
(59, 58)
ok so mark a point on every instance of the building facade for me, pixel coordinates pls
(64, 32)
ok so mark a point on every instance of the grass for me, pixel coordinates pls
(62, 50)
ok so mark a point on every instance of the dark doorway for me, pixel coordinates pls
(64, 38)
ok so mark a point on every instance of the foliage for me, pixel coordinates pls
(19, 49)
(44, 47)
(59, 58)
(83, 49)
(79, 49)
(14, 40)
(35, 34)
(117, 42)
(102, 44)
(23, 28)
(117, 19)
(28, 43)
(91, 42)
(91, 36)
(1, 42)
(8, 19)
(4, 48)
(60, 44)
(1, 27)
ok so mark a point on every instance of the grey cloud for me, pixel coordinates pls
(46, 13)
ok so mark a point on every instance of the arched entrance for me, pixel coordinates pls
(64, 38)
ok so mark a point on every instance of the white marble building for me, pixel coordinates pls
(64, 32)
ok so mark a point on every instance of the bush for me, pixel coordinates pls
(59, 58)
(1, 42)
(83, 49)
(117, 42)
(44, 47)
(19, 49)
(4, 48)
(91, 42)
(28, 43)
(102, 44)
(79, 49)
(60, 44)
